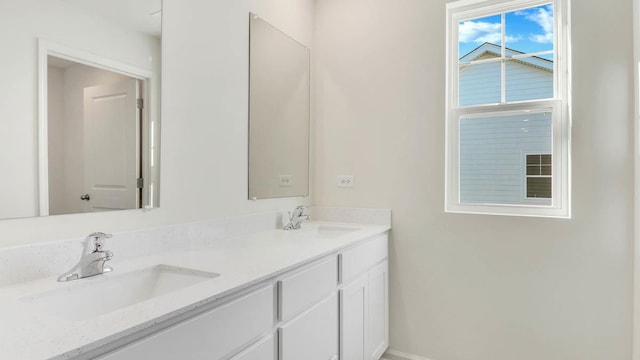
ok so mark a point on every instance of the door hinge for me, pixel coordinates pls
(140, 103)
(140, 183)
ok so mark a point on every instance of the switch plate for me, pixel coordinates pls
(345, 181)
(286, 180)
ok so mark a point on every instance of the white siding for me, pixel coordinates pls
(480, 83)
(492, 156)
(524, 82)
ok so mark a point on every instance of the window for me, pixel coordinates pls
(538, 176)
(507, 108)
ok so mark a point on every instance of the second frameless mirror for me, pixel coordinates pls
(278, 113)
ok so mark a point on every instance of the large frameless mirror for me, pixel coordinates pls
(278, 113)
(79, 106)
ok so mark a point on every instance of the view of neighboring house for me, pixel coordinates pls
(505, 159)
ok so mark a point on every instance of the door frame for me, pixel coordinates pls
(46, 48)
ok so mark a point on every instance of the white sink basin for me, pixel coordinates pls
(323, 231)
(333, 231)
(94, 296)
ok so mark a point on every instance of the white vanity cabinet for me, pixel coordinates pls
(333, 308)
(364, 306)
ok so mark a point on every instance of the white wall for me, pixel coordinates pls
(204, 115)
(205, 97)
(470, 287)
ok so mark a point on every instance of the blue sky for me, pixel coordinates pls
(528, 30)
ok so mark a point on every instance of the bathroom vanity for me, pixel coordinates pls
(296, 313)
(320, 292)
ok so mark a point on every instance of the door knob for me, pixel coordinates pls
(85, 197)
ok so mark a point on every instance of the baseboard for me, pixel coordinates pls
(397, 355)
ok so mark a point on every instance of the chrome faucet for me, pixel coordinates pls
(296, 219)
(92, 259)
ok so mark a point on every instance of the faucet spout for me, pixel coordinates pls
(92, 261)
(296, 218)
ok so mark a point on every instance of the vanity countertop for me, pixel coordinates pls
(28, 333)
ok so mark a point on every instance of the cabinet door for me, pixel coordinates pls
(353, 323)
(377, 334)
(313, 335)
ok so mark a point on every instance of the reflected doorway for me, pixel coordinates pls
(94, 121)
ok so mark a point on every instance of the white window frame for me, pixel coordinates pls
(636, 272)
(559, 106)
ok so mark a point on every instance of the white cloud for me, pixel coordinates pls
(480, 32)
(542, 16)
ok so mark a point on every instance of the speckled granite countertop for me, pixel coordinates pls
(28, 332)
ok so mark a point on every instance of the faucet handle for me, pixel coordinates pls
(98, 240)
(297, 212)
(100, 234)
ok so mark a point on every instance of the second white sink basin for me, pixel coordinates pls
(102, 294)
(332, 231)
(323, 231)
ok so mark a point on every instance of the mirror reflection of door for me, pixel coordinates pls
(94, 140)
(111, 116)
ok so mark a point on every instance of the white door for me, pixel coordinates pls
(111, 142)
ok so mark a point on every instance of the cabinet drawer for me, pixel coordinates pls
(361, 258)
(306, 287)
(313, 335)
(263, 350)
(211, 335)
